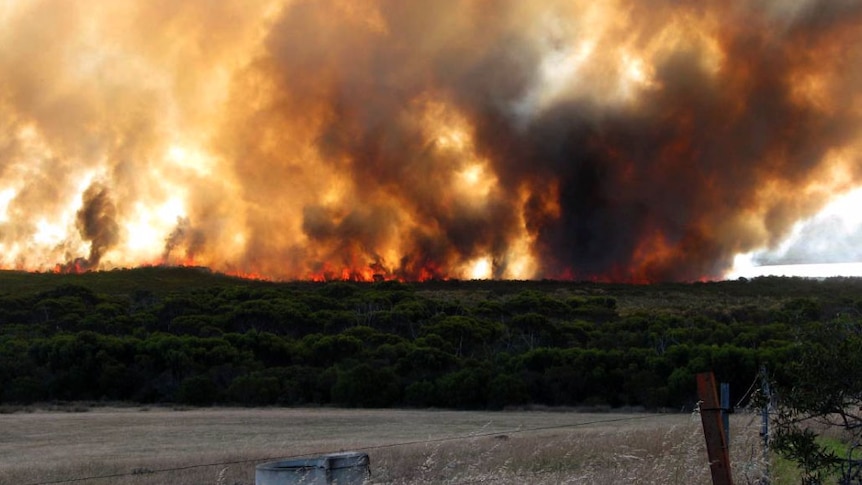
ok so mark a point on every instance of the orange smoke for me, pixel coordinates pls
(430, 139)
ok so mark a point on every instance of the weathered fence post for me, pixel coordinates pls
(710, 416)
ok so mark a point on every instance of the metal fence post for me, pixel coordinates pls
(725, 412)
(764, 421)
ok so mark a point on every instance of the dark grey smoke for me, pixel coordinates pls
(184, 238)
(96, 223)
(650, 191)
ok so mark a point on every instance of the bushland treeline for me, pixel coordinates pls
(159, 335)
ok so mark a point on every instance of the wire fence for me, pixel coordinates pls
(168, 470)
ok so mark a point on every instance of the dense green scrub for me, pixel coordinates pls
(188, 336)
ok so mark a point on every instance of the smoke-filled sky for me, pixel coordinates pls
(291, 139)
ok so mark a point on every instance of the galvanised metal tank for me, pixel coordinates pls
(348, 468)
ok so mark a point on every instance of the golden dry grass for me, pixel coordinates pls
(222, 446)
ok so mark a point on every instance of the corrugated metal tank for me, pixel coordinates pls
(348, 468)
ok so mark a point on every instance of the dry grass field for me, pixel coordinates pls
(138, 446)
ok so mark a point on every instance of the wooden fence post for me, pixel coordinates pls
(710, 416)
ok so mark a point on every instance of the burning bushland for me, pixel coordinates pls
(626, 141)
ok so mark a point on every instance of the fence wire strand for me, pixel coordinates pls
(141, 472)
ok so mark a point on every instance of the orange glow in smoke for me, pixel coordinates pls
(375, 139)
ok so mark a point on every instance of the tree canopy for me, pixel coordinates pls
(190, 336)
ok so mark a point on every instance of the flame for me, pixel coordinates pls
(480, 269)
(250, 276)
(371, 140)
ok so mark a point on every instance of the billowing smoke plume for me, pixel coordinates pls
(95, 222)
(629, 141)
(185, 238)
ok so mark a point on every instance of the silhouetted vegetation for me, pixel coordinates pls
(818, 423)
(189, 336)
